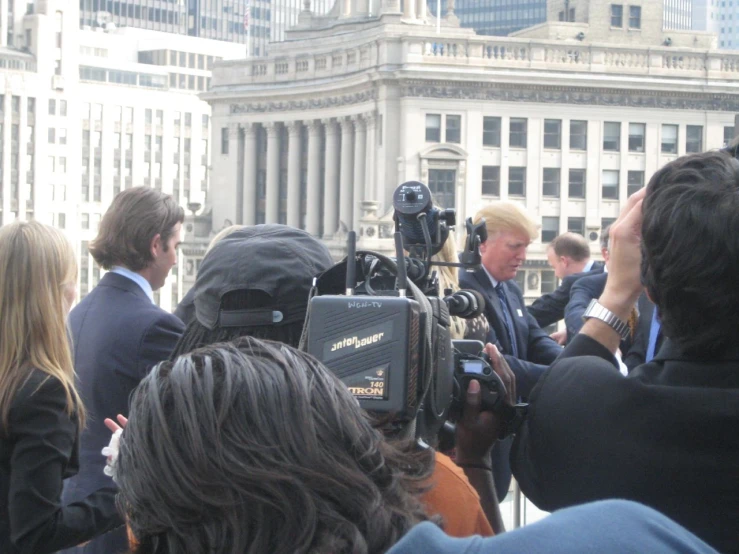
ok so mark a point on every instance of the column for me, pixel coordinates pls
(421, 9)
(346, 188)
(250, 173)
(272, 204)
(360, 141)
(346, 8)
(331, 187)
(313, 200)
(293, 174)
(369, 173)
(409, 9)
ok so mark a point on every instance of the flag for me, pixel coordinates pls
(247, 14)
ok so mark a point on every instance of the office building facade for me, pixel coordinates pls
(498, 17)
(85, 114)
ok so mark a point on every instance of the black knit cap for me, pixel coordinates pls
(277, 260)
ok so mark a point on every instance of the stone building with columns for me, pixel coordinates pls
(566, 118)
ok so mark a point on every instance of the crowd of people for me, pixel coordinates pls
(230, 439)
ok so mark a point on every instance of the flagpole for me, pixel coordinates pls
(438, 17)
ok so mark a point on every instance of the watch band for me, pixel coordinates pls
(597, 311)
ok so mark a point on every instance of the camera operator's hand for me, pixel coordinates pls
(477, 431)
(504, 371)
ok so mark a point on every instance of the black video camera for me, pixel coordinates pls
(388, 338)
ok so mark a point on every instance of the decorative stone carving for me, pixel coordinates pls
(308, 104)
(656, 99)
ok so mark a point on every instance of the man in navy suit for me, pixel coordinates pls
(527, 349)
(569, 255)
(119, 333)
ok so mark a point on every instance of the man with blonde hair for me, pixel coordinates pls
(527, 349)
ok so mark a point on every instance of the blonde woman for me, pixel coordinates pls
(40, 411)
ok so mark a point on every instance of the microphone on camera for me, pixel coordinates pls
(466, 303)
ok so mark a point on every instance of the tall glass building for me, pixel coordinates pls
(678, 14)
(214, 19)
(498, 17)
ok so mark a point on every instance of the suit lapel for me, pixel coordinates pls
(493, 310)
(520, 325)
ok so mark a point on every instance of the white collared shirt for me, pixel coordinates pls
(492, 279)
(588, 266)
(136, 278)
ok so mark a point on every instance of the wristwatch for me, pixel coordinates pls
(597, 311)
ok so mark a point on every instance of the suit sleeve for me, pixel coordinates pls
(557, 438)
(580, 297)
(159, 341)
(44, 439)
(550, 308)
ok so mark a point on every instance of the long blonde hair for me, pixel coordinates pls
(448, 279)
(37, 262)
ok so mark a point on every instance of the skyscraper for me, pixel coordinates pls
(215, 19)
(498, 17)
(678, 14)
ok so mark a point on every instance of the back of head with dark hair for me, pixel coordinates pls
(256, 447)
(134, 218)
(571, 245)
(690, 241)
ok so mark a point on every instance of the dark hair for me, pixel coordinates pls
(604, 237)
(257, 447)
(197, 335)
(690, 243)
(134, 218)
(571, 245)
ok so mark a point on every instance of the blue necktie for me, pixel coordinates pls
(507, 320)
(653, 335)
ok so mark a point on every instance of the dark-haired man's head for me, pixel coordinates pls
(140, 231)
(568, 253)
(256, 447)
(256, 281)
(690, 241)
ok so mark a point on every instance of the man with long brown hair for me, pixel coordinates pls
(118, 331)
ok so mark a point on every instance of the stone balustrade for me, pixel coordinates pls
(487, 53)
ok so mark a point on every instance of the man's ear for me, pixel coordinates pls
(156, 245)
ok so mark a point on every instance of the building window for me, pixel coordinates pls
(548, 281)
(635, 182)
(610, 184)
(617, 15)
(52, 135)
(553, 134)
(518, 131)
(636, 137)
(433, 127)
(578, 135)
(694, 138)
(224, 140)
(634, 17)
(62, 136)
(612, 136)
(549, 228)
(550, 182)
(669, 139)
(442, 184)
(85, 221)
(606, 222)
(491, 131)
(577, 183)
(63, 108)
(576, 225)
(728, 135)
(454, 128)
(491, 180)
(517, 181)
(52, 106)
